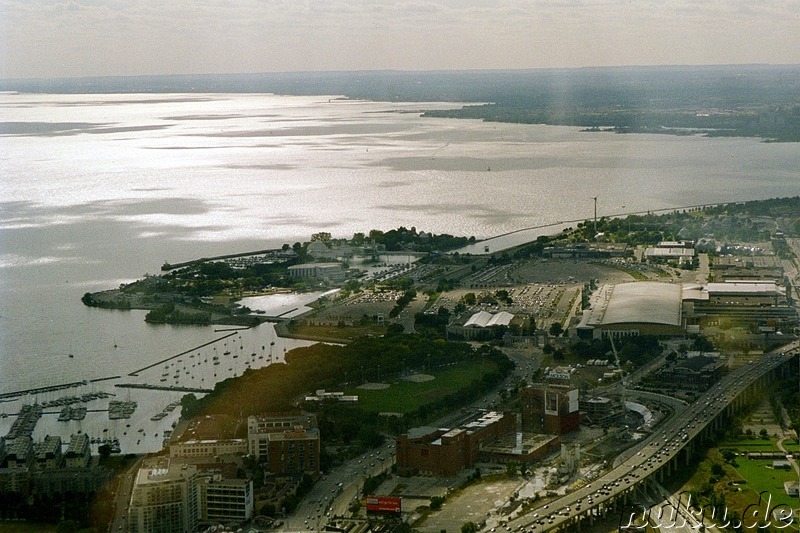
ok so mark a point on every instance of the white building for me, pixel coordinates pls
(171, 496)
(330, 272)
(208, 448)
(165, 498)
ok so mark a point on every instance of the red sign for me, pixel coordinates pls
(383, 504)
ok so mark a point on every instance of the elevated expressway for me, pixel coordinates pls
(663, 452)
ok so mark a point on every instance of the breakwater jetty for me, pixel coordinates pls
(166, 267)
(167, 388)
(170, 358)
(51, 388)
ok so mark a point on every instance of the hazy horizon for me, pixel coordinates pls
(91, 38)
(410, 71)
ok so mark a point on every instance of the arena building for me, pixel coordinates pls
(639, 308)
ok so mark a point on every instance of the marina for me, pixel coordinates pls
(139, 415)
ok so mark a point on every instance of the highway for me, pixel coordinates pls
(332, 495)
(655, 452)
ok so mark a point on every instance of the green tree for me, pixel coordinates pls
(555, 329)
(512, 468)
(104, 450)
(469, 527)
(436, 503)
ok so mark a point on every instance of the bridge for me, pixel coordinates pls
(662, 453)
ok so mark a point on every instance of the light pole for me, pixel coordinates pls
(595, 214)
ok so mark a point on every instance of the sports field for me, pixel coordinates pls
(406, 396)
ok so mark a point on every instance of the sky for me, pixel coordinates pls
(76, 38)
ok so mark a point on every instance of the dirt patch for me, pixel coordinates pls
(419, 378)
(374, 386)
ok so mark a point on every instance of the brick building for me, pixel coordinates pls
(550, 409)
(288, 443)
(445, 452)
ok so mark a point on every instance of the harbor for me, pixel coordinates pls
(139, 414)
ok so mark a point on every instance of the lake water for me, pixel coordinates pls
(97, 190)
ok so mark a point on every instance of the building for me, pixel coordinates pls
(278, 422)
(288, 443)
(586, 250)
(764, 267)
(638, 308)
(328, 272)
(760, 305)
(88, 480)
(165, 498)
(291, 452)
(519, 448)
(482, 319)
(19, 452)
(663, 255)
(601, 411)
(550, 409)
(445, 452)
(225, 501)
(680, 251)
(48, 453)
(690, 373)
(15, 481)
(201, 449)
(482, 325)
(321, 395)
(79, 452)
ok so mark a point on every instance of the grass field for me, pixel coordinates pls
(751, 478)
(757, 445)
(761, 476)
(407, 396)
(336, 332)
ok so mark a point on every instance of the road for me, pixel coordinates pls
(332, 495)
(655, 452)
(123, 497)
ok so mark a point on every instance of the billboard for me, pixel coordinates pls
(383, 504)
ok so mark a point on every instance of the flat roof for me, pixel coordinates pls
(314, 265)
(669, 252)
(744, 287)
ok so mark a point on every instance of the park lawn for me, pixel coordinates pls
(759, 445)
(406, 396)
(336, 332)
(761, 476)
(737, 497)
